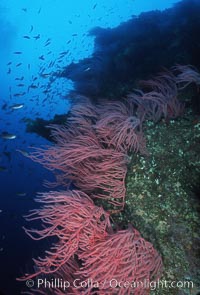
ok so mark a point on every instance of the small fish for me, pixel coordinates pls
(68, 41)
(95, 5)
(24, 9)
(19, 94)
(17, 106)
(31, 29)
(47, 44)
(88, 69)
(33, 86)
(9, 63)
(20, 85)
(41, 57)
(6, 135)
(74, 35)
(17, 52)
(19, 64)
(51, 64)
(45, 75)
(24, 153)
(64, 52)
(45, 91)
(37, 37)
(39, 10)
(21, 194)
(48, 40)
(19, 79)
(26, 37)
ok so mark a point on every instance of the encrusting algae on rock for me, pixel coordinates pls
(161, 199)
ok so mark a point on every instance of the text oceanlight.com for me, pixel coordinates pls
(58, 283)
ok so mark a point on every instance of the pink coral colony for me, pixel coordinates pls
(91, 152)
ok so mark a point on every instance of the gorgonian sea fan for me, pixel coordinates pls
(85, 163)
(186, 74)
(74, 220)
(158, 98)
(118, 127)
(122, 258)
(105, 257)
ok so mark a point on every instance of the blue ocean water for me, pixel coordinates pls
(33, 37)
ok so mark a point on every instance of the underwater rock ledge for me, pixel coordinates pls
(136, 49)
(162, 198)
